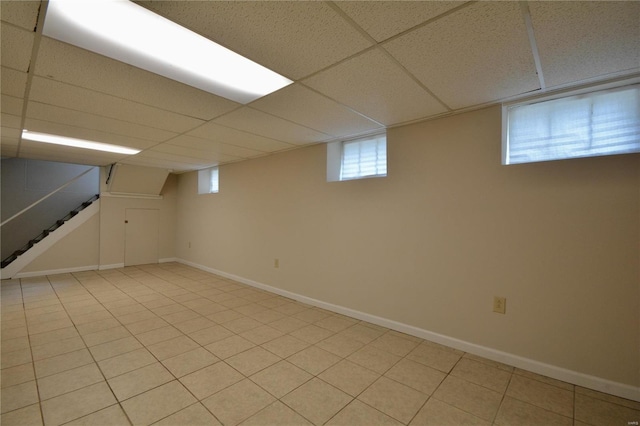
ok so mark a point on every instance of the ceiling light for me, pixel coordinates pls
(77, 143)
(129, 33)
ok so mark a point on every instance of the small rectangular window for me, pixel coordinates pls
(208, 181)
(604, 122)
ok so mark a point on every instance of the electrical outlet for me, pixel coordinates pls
(500, 305)
(276, 263)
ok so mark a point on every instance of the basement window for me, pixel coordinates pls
(208, 181)
(357, 159)
(597, 123)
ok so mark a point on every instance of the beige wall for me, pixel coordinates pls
(431, 244)
(112, 215)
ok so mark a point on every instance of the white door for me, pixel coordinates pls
(141, 236)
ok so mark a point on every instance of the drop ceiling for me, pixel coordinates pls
(357, 67)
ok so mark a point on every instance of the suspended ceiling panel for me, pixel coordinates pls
(21, 13)
(239, 138)
(292, 38)
(375, 85)
(16, 46)
(384, 19)
(77, 98)
(483, 47)
(209, 156)
(304, 106)
(11, 105)
(13, 82)
(583, 40)
(10, 120)
(207, 145)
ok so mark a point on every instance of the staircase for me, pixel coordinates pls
(22, 250)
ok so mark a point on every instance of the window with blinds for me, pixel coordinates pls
(208, 181)
(605, 122)
(364, 158)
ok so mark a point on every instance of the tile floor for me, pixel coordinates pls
(171, 345)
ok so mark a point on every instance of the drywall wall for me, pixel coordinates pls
(112, 217)
(431, 244)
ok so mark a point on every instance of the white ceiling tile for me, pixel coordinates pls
(9, 140)
(42, 126)
(175, 166)
(304, 106)
(21, 13)
(79, 67)
(8, 150)
(13, 82)
(376, 86)
(384, 19)
(239, 138)
(11, 121)
(80, 99)
(11, 105)
(478, 54)
(70, 117)
(292, 38)
(180, 151)
(154, 155)
(16, 45)
(260, 123)
(583, 40)
(208, 145)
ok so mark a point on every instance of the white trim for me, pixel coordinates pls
(168, 260)
(112, 266)
(603, 385)
(131, 195)
(56, 271)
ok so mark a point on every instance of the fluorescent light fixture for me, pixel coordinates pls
(129, 33)
(77, 143)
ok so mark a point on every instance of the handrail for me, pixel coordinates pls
(47, 196)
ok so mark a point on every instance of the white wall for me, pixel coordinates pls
(432, 243)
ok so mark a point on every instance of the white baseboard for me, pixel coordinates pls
(112, 266)
(592, 382)
(56, 271)
(167, 260)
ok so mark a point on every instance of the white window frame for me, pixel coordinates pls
(555, 151)
(336, 156)
(209, 180)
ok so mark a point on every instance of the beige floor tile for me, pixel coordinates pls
(180, 316)
(360, 414)
(240, 325)
(111, 416)
(288, 324)
(250, 309)
(276, 414)
(188, 362)
(317, 401)
(285, 346)
(230, 346)
(92, 327)
(105, 336)
(335, 323)
(477, 400)
(252, 360)
(514, 412)
(92, 317)
(544, 379)
(157, 403)
(114, 348)
(128, 319)
(281, 378)
(138, 381)
(262, 334)
(394, 399)
(18, 396)
(49, 326)
(49, 350)
(193, 415)
(492, 363)
(172, 347)
(339, 345)
(545, 396)
(27, 416)
(362, 333)
(267, 316)
(311, 333)
(15, 375)
(224, 316)
(349, 377)
(169, 309)
(210, 334)
(434, 357)
(291, 308)
(238, 402)
(68, 381)
(14, 332)
(15, 344)
(212, 379)
(79, 403)
(416, 375)
(129, 308)
(15, 358)
(120, 364)
(195, 324)
(313, 360)
(64, 362)
(394, 344)
(53, 336)
(46, 317)
(438, 413)
(374, 359)
(146, 325)
(482, 374)
(608, 398)
(312, 315)
(158, 335)
(597, 412)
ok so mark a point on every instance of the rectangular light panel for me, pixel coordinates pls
(77, 143)
(129, 33)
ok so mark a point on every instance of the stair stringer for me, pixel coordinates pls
(40, 248)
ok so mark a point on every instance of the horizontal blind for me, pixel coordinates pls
(364, 158)
(599, 123)
(214, 180)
